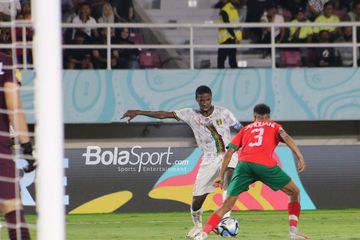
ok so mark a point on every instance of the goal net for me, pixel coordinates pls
(31, 114)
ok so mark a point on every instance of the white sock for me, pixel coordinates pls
(293, 229)
(224, 197)
(197, 217)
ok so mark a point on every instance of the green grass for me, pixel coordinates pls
(254, 225)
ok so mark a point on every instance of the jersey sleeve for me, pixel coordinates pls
(184, 114)
(278, 130)
(231, 121)
(236, 142)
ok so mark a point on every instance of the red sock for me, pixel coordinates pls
(294, 213)
(213, 221)
(14, 231)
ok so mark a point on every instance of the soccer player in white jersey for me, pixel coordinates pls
(211, 126)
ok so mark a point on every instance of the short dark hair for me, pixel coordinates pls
(262, 109)
(201, 90)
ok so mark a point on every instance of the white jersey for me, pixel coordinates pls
(212, 133)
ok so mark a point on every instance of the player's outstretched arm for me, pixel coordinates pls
(227, 158)
(292, 145)
(130, 114)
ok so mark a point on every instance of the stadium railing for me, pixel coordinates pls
(191, 46)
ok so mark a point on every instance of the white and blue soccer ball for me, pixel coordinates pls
(228, 227)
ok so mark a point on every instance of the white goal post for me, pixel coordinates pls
(49, 119)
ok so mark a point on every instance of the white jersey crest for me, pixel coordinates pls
(212, 133)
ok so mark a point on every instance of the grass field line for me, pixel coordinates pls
(188, 221)
(122, 222)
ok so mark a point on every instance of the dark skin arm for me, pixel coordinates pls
(288, 140)
(153, 114)
(219, 181)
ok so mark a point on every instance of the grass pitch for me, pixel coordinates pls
(254, 225)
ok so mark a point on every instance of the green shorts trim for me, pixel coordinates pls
(247, 173)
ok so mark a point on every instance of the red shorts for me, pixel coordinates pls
(8, 189)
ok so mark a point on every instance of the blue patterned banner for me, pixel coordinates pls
(294, 94)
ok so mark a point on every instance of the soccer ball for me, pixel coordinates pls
(228, 227)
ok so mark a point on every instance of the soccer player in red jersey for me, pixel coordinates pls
(12, 113)
(257, 142)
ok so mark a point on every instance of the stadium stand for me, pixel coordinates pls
(137, 38)
(204, 11)
(149, 59)
(290, 58)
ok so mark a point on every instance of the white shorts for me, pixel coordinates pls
(209, 170)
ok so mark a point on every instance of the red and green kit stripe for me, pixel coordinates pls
(219, 143)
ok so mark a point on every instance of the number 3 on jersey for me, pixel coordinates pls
(258, 137)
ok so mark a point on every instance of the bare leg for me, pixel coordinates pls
(196, 214)
(228, 176)
(292, 191)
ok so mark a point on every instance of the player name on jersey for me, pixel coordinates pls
(260, 124)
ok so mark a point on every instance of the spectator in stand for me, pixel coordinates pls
(339, 11)
(107, 15)
(271, 16)
(5, 35)
(97, 7)
(346, 53)
(99, 55)
(326, 57)
(5, 10)
(124, 10)
(315, 8)
(25, 14)
(228, 14)
(293, 5)
(255, 9)
(127, 58)
(300, 34)
(67, 9)
(84, 17)
(354, 15)
(327, 17)
(78, 58)
(70, 9)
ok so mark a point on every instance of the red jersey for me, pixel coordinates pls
(258, 141)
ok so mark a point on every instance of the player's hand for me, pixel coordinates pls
(218, 183)
(27, 151)
(237, 41)
(301, 165)
(130, 114)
